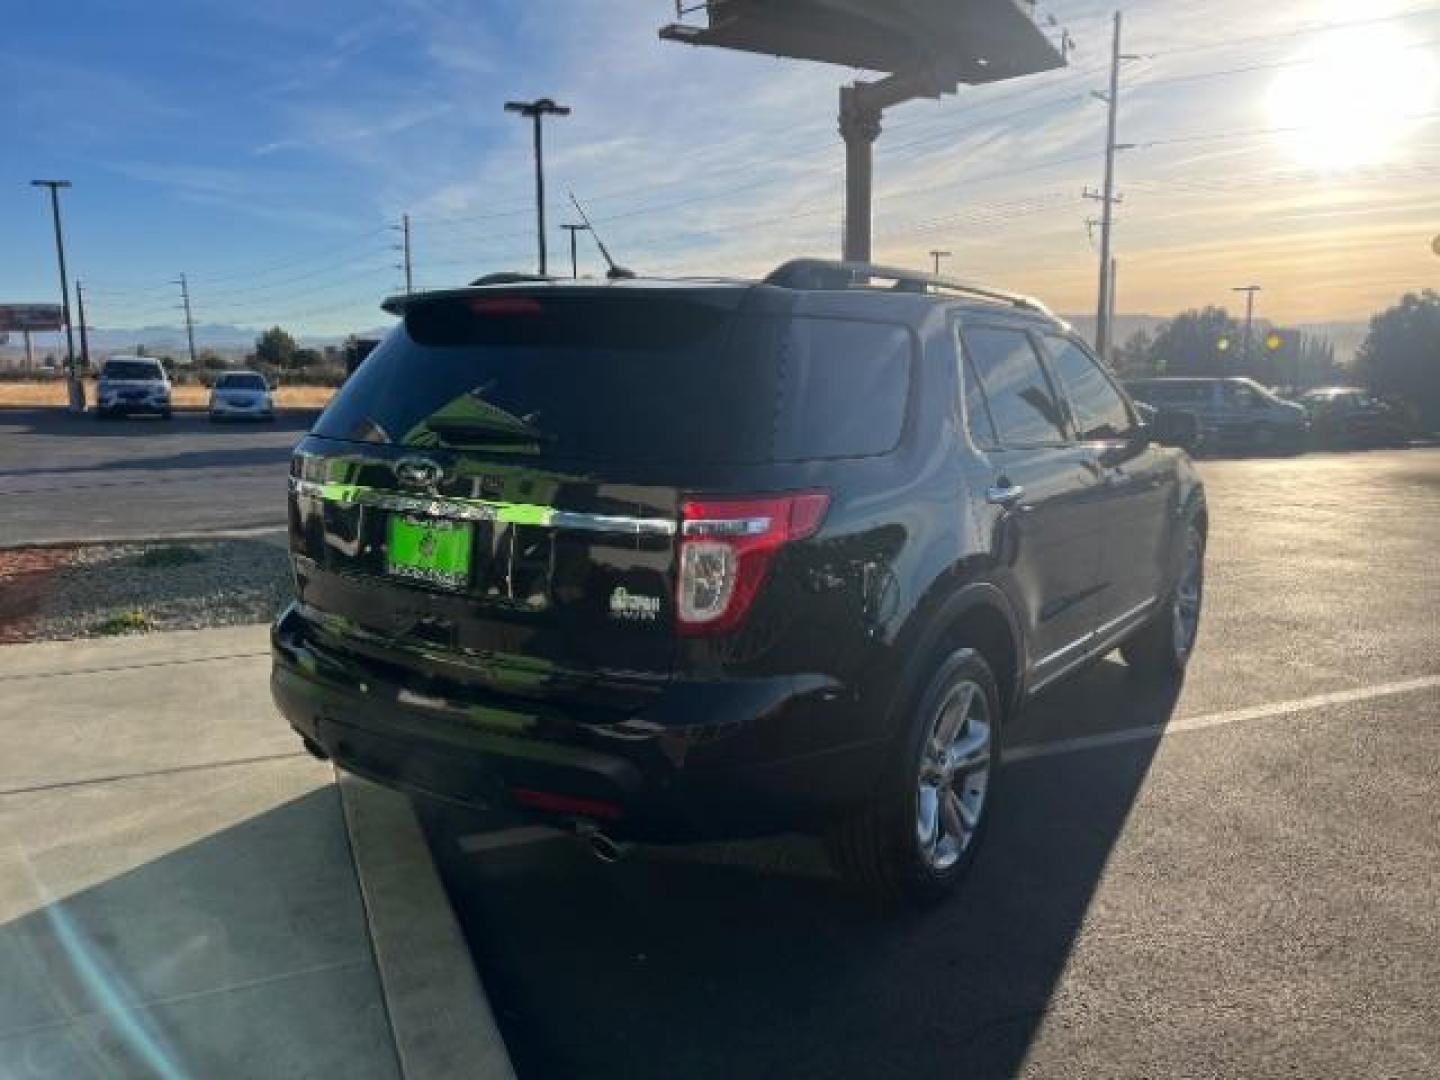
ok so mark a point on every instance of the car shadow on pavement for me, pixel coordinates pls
(728, 964)
(242, 952)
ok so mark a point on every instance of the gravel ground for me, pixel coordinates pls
(133, 588)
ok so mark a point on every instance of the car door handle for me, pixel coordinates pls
(1004, 494)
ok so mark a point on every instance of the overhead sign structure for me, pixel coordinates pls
(926, 48)
(33, 317)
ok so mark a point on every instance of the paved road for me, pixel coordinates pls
(68, 478)
(1256, 893)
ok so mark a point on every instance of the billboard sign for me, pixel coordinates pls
(34, 317)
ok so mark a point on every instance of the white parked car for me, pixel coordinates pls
(132, 384)
(239, 395)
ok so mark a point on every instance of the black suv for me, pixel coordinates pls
(685, 559)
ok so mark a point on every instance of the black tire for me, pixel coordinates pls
(879, 849)
(1162, 647)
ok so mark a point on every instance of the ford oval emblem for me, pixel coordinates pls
(418, 472)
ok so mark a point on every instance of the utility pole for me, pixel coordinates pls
(1110, 309)
(84, 335)
(189, 322)
(537, 110)
(574, 258)
(1107, 197)
(937, 256)
(1249, 291)
(404, 228)
(77, 402)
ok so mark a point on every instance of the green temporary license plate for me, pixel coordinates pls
(431, 550)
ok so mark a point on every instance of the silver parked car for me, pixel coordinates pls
(241, 395)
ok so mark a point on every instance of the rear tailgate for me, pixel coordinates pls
(534, 578)
(497, 484)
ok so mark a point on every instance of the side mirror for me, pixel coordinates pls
(1171, 427)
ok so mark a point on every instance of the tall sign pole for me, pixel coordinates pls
(537, 110)
(77, 402)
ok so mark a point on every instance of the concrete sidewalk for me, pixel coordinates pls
(183, 893)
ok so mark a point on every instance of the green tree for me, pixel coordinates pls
(1400, 356)
(275, 348)
(1135, 359)
(307, 358)
(1201, 341)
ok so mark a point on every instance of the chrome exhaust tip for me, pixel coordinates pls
(604, 848)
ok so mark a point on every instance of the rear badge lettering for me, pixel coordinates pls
(632, 606)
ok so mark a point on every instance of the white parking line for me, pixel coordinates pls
(1027, 751)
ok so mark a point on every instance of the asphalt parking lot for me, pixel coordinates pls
(70, 478)
(1238, 879)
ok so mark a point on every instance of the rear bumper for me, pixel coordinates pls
(696, 760)
(220, 409)
(144, 405)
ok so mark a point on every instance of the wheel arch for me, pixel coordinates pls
(978, 616)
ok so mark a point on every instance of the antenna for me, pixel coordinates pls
(616, 271)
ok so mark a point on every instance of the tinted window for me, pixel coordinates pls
(1100, 412)
(845, 388)
(1239, 396)
(241, 382)
(131, 369)
(1022, 404)
(629, 378)
(977, 413)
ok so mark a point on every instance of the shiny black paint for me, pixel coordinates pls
(525, 680)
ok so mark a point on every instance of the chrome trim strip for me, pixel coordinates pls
(477, 510)
(1103, 644)
(754, 526)
(1081, 640)
(1102, 630)
(612, 523)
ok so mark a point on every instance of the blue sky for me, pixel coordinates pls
(266, 148)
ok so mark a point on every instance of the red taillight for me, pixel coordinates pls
(725, 550)
(505, 305)
(552, 802)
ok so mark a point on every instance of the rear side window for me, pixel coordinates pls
(631, 378)
(1022, 404)
(1100, 411)
(846, 387)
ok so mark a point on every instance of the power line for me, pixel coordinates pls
(1303, 28)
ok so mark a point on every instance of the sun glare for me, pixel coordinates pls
(1355, 97)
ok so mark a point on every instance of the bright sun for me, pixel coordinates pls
(1355, 97)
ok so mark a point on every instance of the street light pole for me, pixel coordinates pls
(76, 403)
(537, 110)
(1249, 291)
(574, 258)
(937, 256)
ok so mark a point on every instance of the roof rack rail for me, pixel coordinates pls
(835, 274)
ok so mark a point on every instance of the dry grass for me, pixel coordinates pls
(183, 397)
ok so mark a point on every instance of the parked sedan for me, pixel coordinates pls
(1347, 416)
(241, 395)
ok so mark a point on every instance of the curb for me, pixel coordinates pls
(439, 1015)
(237, 532)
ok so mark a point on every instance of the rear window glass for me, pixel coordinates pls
(241, 382)
(629, 379)
(131, 369)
